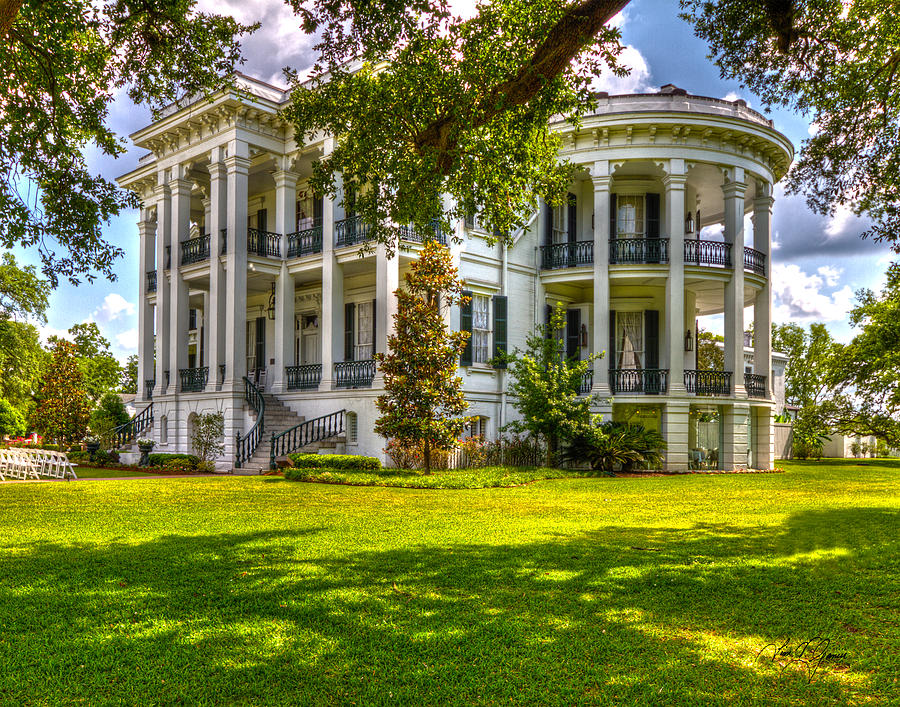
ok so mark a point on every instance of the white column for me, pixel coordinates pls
(181, 223)
(285, 203)
(147, 233)
(387, 280)
(675, 430)
(762, 305)
(163, 241)
(331, 322)
(600, 389)
(733, 192)
(674, 183)
(734, 453)
(218, 219)
(237, 164)
(764, 448)
(284, 327)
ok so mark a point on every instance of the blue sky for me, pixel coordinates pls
(818, 264)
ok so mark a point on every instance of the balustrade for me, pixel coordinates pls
(195, 250)
(638, 251)
(354, 374)
(263, 243)
(567, 255)
(755, 385)
(434, 233)
(350, 231)
(305, 377)
(639, 380)
(755, 261)
(587, 382)
(708, 382)
(715, 253)
(193, 380)
(151, 281)
(306, 241)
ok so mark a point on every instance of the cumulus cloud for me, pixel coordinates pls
(638, 81)
(114, 306)
(733, 96)
(128, 340)
(800, 296)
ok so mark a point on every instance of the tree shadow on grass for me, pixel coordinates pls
(626, 615)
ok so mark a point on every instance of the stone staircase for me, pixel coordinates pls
(278, 419)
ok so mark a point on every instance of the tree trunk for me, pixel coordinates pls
(552, 446)
(9, 10)
(427, 447)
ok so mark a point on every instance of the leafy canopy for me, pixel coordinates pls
(64, 408)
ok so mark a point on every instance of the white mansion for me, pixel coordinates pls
(257, 300)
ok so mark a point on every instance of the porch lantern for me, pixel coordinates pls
(270, 310)
(688, 340)
(689, 223)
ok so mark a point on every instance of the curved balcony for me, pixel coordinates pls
(755, 385)
(708, 253)
(434, 233)
(193, 380)
(638, 251)
(305, 377)
(354, 374)
(351, 231)
(306, 241)
(567, 255)
(708, 383)
(755, 261)
(651, 381)
(263, 243)
(195, 250)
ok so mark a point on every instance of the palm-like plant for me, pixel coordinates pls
(615, 444)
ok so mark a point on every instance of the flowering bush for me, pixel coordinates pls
(411, 456)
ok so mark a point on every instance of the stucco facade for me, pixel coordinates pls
(245, 272)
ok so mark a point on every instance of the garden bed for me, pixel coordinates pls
(487, 477)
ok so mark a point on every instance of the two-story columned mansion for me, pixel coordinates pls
(246, 275)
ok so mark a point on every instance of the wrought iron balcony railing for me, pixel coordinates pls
(434, 233)
(305, 377)
(306, 241)
(224, 237)
(755, 385)
(166, 378)
(351, 231)
(221, 373)
(714, 253)
(567, 255)
(638, 251)
(652, 381)
(168, 257)
(195, 250)
(587, 382)
(263, 243)
(755, 261)
(708, 382)
(151, 281)
(193, 380)
(354, 374)
(149, 385)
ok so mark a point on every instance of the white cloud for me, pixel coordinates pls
(734, 96)
(128, 340)
(113, 307)
(800, 297)
(638, 81)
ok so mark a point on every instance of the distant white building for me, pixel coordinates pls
(257, 293)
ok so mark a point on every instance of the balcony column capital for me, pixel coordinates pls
(236, 164)
(674, 181)
(734, 190)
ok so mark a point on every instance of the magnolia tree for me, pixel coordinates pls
(423, 401)
(64, 408)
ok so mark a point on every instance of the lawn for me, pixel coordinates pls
(257, 590)
(488, 477)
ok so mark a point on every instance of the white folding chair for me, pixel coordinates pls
(64, 467)
(30, 465)
(14, 468)
(4, 465)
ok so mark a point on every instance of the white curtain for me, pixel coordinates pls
(363, 348)
(631, 339)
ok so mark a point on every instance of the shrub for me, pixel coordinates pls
(411, 456)
(11, 420)
(161, 459)
(209, 431)
(514, 451)
(181, 465)
(334, 461)
(615, 445)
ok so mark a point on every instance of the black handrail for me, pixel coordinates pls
(263, 243)
(755, 261)
(128, 431)
(354, 374)
(306, 241)
(151, 281)
(305, 377)
(350, 231)
(195, 250)
(305, 433)
(567, 255)
(755, 385)
(193, 380)
(708, 382)
(638, 251)
(245, 446)
(149, 385)
(433, 233)
(698, 252)
(651, 381)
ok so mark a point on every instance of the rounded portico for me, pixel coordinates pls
(652, 237)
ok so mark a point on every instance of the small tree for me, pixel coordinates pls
(65, 408)
(209, 435)
(545, 386)
(129, 382)
(423, 400)
(11, 421)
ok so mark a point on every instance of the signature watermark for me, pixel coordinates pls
(808, 655)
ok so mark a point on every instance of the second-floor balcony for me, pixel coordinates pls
(263, 243)
(755, 385)
(755, 261)
(433, 233)
(151, 281)
(306, 377)
(195, 250)
(193, 380)
(709, 253)
(651, 381)
(567, 255)
(306, 241)
(351, 231)
(354, 374)
(708, 383)
(638, 251)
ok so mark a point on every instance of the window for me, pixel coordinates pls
(630, 339)
(560, 224)
(352, 428)
(630, 215)
(473, 221)
(481, 329)
(362, 350)
(478, 427)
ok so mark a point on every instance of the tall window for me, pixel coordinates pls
(481, 329)
(560, 224)
(362, 350)
(630, 216)
(478, 427)
(630, 339)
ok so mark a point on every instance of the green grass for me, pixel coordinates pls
(626, 591)
(87, 472)
(488, 477)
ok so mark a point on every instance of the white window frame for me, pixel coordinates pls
(478, 427)
(638, 221)
(560, 224)
(482, 332)
(363, 350)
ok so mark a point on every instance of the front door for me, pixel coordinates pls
(311, 346)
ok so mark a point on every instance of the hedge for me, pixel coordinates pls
(161, 459)
(334, 461)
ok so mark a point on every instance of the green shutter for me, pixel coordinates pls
(573, 334)
(652, 202)
(374, 327)
(612, 340)
(465, 324)
(573, 218)
(651, 338)
(548, 223)
(500, 330)
(612, 216)
(349, 313)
